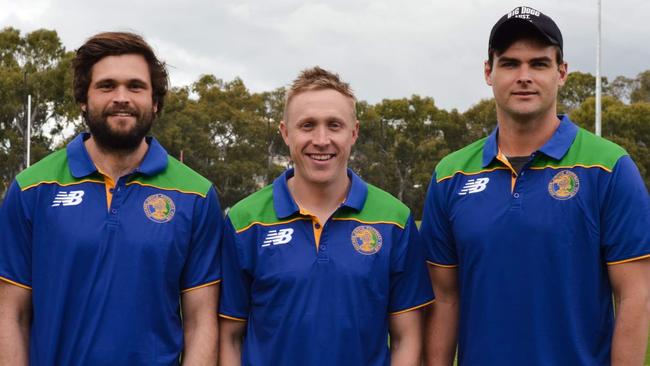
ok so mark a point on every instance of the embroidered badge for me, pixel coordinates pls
(159, 208)
(366, 240)
(564, 185)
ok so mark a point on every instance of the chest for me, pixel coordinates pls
(541, 209)
(141, 222)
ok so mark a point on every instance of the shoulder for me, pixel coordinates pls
(589, 150)
(51, 169)
(467, 160)
(179, 177)
(256, 208)
(382, 207)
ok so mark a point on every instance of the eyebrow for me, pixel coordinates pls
(114, 81)
(516, 60)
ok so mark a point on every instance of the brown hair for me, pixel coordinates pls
(316, 78)
(115, 44)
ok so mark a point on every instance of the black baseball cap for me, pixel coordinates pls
(523, 17)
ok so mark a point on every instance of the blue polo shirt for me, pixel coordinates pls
(320, 293)
(532, 249)
(106, 261)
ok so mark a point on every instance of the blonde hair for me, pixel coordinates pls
(316, 78)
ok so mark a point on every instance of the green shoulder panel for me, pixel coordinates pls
(51, 169)
(467, 160)
(380, 206)
(177, 177)
(587, 150)
(256, 208)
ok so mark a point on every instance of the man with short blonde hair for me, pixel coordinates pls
(320, 266)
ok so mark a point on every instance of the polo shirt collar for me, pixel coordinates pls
(556, 147)
(286, 206)
(155, 160)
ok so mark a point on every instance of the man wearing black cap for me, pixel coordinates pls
(530, 230)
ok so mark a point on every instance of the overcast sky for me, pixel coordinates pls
(385, 49)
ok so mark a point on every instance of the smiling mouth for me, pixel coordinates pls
(321, 157)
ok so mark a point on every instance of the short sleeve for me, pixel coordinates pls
(203, 265)
(435, 230)
(410, 287)
(236, 287)
(15, 239)
(625, 215)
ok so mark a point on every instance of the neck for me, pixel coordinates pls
(523, 136)
(115, 164)
(320, 200)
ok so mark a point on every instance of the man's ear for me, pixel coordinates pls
(563, 68)
(487, 72)
(283, 132)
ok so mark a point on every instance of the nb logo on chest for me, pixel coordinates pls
(278, 237)
(71, 198)
(474, 186)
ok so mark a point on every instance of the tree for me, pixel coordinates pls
(400, 143)
(641, 91)
(224, 134)
(578, 87)
(36, 64)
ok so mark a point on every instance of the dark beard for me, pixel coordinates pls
(122, 142)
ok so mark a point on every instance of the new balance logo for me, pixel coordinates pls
(474, 186)
(71, 198)
(277, 237)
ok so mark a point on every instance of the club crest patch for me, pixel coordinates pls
(159, 208)
(564, 185)
(366, 240)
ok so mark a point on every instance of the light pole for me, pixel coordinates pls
(598, 81)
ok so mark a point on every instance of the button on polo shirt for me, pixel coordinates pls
(320, 293)
(107, 261)
(532, 249)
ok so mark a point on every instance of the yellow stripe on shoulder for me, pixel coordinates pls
(472, 173)
(62, 184)
(269, 223)
(573, 166)
(369, 222)
(15, 283)
(203, 195)
(232, 318)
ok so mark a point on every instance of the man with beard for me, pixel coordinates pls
(103, 241)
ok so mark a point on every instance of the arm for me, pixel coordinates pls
(406, 338)
(15, 319)
(441, 318)
(231, 334)
(200, 326)
(631, 285)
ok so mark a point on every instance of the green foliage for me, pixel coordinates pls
(641, 89)
(35, 64)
